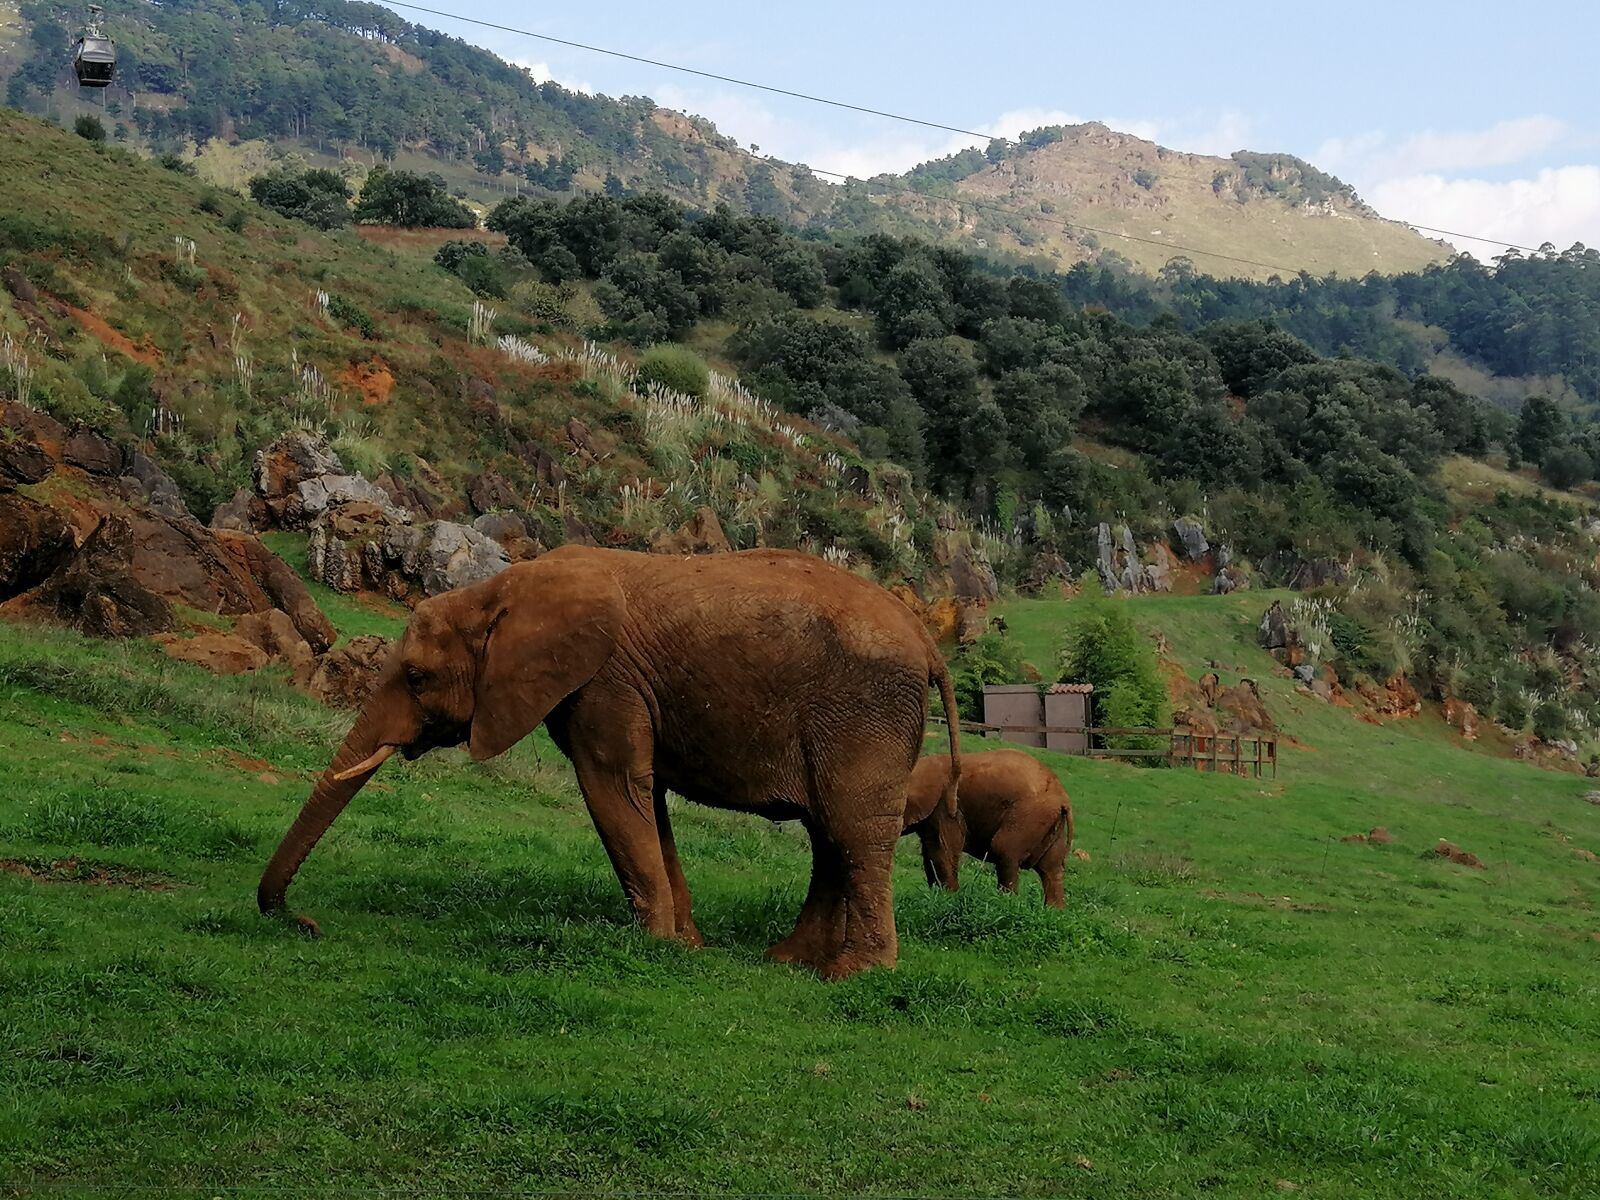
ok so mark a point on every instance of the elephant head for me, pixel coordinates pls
(943, 847)
(483, 665)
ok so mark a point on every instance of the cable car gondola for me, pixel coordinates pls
(94, 58)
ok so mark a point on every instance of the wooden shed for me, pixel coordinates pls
(1066, 706)
(1022, 712)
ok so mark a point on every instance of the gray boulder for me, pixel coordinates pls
(326, 491)
(1191, 537)
(143, 480)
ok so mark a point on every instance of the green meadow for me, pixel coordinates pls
(1234, 1003)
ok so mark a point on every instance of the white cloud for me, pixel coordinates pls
(541, 74)
(1504, 143)
(1560, 205)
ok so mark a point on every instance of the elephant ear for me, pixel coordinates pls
(556, 625)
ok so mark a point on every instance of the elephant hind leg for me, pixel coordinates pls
(683, 918)
(819, 931)
(1008, 872)
(866, 847)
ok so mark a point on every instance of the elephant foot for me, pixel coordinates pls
(690, 937)
(843, 966)
(797, 949)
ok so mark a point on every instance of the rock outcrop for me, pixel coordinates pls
(96, 591)
(362, 546)
(34, 540)
(345, 676)
(1191, 538)
(218, 652)
(700, 534)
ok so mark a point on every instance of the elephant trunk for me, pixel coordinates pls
(328, 799)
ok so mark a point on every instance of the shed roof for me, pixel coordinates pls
(1071, 689)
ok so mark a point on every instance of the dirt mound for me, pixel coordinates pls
(1379, 836)
(71, 870)
(218, 652)
(1455, 854)
(372, 381)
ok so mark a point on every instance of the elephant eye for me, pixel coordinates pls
(416, 676)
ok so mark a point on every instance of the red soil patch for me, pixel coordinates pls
(120, 342)
(1286, 903)
(372, 381)
(425, 239)
(1586, 855)
(70, 870)
(1379, 836)
(1453, 852)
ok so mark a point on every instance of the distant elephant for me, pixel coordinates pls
(763, 681)
(1013, 810)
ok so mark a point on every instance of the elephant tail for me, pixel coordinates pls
(947, 697)
(1062, 827)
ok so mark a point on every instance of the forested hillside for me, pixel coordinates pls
(895, 383)
(354, 78)
(351, 84)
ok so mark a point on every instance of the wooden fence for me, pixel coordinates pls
(1230, 753)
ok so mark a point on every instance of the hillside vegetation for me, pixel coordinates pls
(353, 82)
(1066, 194)
(154, 306)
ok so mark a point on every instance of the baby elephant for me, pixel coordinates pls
(1013, 811)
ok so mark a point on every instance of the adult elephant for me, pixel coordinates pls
(763, 681)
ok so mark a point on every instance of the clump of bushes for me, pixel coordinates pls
(1102, 646)
(318, 197)
(993, 659)
(674, 367)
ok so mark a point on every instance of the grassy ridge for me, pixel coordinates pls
(1232, 998)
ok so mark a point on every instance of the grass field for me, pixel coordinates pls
(1235, 1003)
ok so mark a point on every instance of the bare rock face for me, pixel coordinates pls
(491, 492)
(144, 482)
(1230, 580)
(21, 461)
(283, 588)
(88, 451)
(361, 546)
(244, 513)
(344, 677)
(34, 541)
(1287, 569)
(1274, 628)
(282, 467)
(96, 590)
(1191, 537)
(509, 530)
(275, 635)
(218, 652)
(700, 534)
(315, 496)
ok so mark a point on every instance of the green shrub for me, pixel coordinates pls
(1102, 646)
(348, 316)
(1550, 722)
(992, 659)
(676, 367)
(89, 127)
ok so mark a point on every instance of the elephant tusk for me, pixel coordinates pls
(367, 764)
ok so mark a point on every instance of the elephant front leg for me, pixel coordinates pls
(819, 931)
(619, 792)
(681, 904)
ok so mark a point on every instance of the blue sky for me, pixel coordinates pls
(1472, 116)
